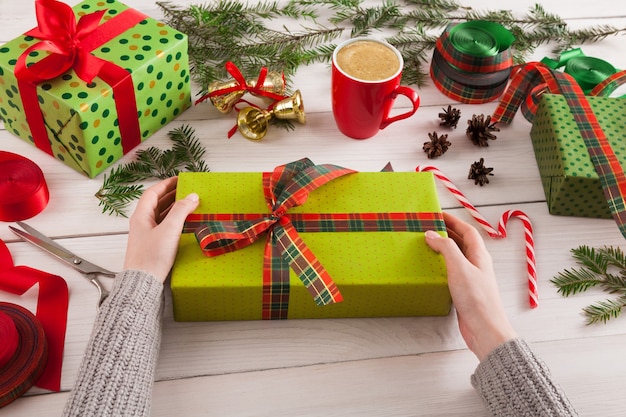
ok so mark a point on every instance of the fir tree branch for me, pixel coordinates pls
(230, 30)
(119, 189)
(603, 311)
(573, 281)
(596, 271)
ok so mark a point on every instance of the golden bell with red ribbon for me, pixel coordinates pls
(253, 122)
(225, 102)
(274, 83)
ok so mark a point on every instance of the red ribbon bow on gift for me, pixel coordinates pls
(69, 44)
(63, 37)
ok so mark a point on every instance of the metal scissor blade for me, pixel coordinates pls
(42, 242)
(45, 243)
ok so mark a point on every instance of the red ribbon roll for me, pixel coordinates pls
(9, 337)
(51, 314)
(28, 361)
(23, 189)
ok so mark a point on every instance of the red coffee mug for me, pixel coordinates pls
(361, 107)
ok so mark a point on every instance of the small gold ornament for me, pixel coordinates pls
(225, 102)
(253, 122)
(274, 83)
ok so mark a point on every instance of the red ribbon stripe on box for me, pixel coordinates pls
(289, 186)
(69, 45)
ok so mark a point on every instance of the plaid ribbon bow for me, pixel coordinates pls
(289, 186)
(605, 161)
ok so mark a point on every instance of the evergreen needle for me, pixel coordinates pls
(119, 189)
(596, 266)
(246, 34)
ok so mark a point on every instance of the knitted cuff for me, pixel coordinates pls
(513, 381)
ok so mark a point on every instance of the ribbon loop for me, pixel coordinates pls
(52, 304)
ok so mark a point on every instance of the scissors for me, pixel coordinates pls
(83, 266)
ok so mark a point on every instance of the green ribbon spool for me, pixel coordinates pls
(586, 70)
(481, 38)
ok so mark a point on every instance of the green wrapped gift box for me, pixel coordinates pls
(379, 274)
(570, 181)
(81, 125)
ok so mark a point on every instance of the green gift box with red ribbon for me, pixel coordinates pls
(570, 181)
(309, 241)
(91, 82)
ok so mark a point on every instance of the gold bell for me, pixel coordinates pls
(274, 83)
(225, 102)
(253, 122)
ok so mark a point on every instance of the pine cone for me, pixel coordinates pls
(437, 146)
(450, 117)
(479, 130)
(479, 173)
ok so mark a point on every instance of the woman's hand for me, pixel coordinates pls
(155, 228)
(471, 278)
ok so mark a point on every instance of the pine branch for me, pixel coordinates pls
(119, 189)
(115, 195)
(230, 30)
(573, 281)
(596, 270)
(592, 259)
(603, 311)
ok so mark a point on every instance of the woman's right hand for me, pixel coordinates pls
(471, 279)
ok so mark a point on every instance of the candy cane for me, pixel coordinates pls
(500, 232)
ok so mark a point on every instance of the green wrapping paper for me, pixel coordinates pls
(379, 274)
(570, 181)
(80, 118)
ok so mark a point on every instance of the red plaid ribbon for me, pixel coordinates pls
(289, 186)
(466, 76)
(605, 161)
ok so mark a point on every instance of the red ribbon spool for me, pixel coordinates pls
(23, 189)
(25, 364)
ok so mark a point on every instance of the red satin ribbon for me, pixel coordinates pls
(23, 189)
(68, 44)
(242, 85)
(52, 304)
(9, 337)
(29, 358)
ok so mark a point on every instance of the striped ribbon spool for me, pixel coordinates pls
(23, 189)
(24, 351)
(472, 61)
(500, 232)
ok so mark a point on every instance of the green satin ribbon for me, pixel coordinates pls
(587, 71)
(481, 38)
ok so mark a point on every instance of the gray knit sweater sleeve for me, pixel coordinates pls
(117, 372)
(514, 382)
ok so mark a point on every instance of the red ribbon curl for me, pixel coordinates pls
(52, 304)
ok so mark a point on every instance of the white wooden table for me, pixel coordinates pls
(375, 367)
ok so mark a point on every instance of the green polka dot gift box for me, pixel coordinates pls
(378, 273)
(570, 182)
(91, 82)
